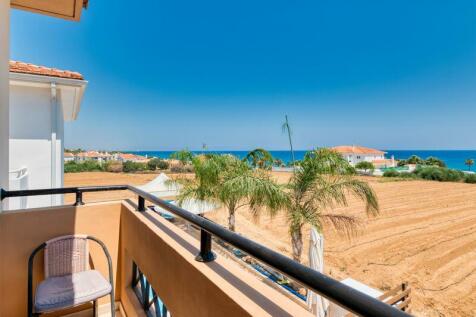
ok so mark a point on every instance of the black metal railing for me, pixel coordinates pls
(335, 291)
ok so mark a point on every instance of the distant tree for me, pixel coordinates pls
(435, 161)
(469, 163)
(259, 158)
(402, 163)
(278, 162)
(184, 156)
(415, 160)
(366, 166)
(74, 151)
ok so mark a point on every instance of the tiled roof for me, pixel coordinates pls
(354, 149)
(26, 68)
(93, 154)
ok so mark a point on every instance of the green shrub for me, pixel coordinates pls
(86, 166)
(391, 173)
(439, 174)
(407, 175)
(182, 169)
(470, 178)
(163, 165)
(434, 161)
(453, 175)
(130, 166)
(157, 163)
(113, 166)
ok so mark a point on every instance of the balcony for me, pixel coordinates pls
(158, 268)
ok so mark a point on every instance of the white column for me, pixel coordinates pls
(4, 92)
(54, 119)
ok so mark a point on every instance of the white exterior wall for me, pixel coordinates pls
(354, 158)
(34, 122)
(4, 91)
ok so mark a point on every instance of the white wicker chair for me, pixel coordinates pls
(68, 280)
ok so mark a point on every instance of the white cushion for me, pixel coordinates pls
(60, 292)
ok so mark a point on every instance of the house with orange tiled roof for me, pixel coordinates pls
(42, 100)
(94, 156)
(355, 154)
(124, 157)
(69, 157)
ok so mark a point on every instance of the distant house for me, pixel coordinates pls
(125, 157)
(93, 156)
(355, 154)
(69, 157)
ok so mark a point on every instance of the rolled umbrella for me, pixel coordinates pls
(316, 303)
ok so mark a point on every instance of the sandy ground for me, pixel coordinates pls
(425, 234)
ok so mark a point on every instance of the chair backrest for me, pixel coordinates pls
(66, 255)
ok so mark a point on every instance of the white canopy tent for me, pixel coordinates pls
(161, 186)
(194, 206)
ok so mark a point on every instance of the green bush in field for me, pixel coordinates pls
(130, 166)
(163, 165)
(113, 166)
(86, 166)
(439, 174)
(391, 173)
(182, 169)
(470, 178)
(434, 161)
(157, 163)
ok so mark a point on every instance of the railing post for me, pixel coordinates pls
(141, 204)
(79, 198)
(206, 254)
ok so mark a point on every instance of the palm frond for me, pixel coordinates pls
(346, 224)
(332, 191)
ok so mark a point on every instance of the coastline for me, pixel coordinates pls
(453, 158)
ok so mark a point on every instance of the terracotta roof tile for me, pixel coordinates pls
(356, 149)
(26, 68)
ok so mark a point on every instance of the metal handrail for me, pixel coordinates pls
(335, 291)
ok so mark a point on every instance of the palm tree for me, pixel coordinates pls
(184, 156)
(259, 158)
(320, 184)
(287, 128)
(469, 163)
(232, 183)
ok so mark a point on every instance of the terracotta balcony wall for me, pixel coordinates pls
(164, 253)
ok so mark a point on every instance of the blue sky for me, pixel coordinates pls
(165, 75)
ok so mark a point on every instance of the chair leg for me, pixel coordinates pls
(113, 305)
(95, 309)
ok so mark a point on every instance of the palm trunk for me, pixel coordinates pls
(290, 140)
(296, 241)
(231, 219)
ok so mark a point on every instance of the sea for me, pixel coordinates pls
(453, 158)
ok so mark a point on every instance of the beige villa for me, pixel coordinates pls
(355, 154)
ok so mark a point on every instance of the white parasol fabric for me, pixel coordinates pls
(197, 206)
(194, 206)
(316, 303)
(161, 187)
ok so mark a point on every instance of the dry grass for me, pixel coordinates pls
(426, 235)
